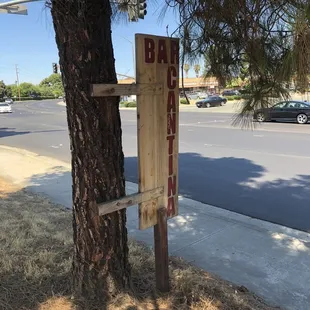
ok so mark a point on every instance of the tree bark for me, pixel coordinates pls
(83, 37)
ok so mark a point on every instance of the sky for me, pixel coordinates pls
(29, 41)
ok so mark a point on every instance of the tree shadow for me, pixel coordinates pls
(214, 241)
(238, 185)
(9, 132)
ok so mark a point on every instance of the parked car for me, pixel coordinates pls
(9, 100)
(230, 93)
(5, 108)
(298, 111)
(202, 95)
(192, 96)
(213, 101)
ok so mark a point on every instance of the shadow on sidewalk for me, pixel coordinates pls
(237, 184)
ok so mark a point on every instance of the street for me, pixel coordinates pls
(263, 173)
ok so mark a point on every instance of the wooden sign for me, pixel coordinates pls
(157, 62)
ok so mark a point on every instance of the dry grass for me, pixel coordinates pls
(35, 263)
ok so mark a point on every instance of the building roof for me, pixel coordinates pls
(188, 82)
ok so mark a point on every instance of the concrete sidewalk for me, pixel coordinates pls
(270, 260)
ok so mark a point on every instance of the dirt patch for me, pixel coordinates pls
(7, 188)
(35, 266)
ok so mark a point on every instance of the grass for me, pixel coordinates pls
(35, 266)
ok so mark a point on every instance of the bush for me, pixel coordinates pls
(184, 101)
(237, 97)
(130, 104)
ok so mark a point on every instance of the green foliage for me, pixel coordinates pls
(47, 91)
(28, 89)
(49, 88)
(130, 104)
(2, 89)
(186, 68)
(11, 91)
(52, 85)
(235, 97)
(183, 101)
(265, 46)
(234, 82)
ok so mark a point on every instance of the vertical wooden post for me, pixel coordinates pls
(161, 251)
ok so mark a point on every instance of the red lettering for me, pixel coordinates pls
(170, 159)
(174, 51)
(171, 107)
(170, 148)
(172, 185)
(172, 77)
(170, 207)
(162, 52)
(149, 50)
(171, 124)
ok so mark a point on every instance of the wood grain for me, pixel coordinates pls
(161, 251)
(152, 110)
(130, 200)
(107, 90)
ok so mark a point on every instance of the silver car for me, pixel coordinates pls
(9, 100)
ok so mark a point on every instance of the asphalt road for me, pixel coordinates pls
(263, 173)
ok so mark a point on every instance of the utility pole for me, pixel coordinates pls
(133, 55)
(17, 79)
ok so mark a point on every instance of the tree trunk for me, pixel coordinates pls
(83, 36)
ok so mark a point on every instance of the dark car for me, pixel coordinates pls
(286, 111)
(213, 101)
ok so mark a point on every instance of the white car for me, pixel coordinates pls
(5, 108)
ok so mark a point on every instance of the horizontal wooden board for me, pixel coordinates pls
(130, 200)
(107, 90)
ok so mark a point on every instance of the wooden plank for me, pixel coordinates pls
(106, 90)
(161, 251)
(158, 122)
(130, 200)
